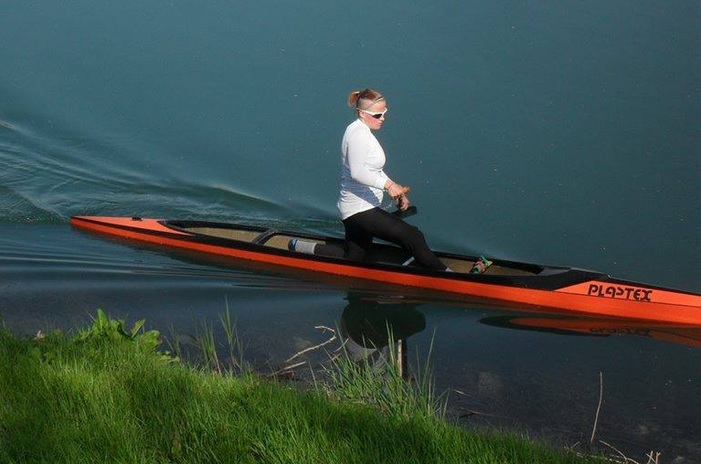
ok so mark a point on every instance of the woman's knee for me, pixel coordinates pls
(413, 236)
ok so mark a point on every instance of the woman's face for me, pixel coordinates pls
(374, 116)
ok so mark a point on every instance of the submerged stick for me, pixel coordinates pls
(315, 347)
(653, 457)
(598, 409)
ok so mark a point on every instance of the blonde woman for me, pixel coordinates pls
(364, 183)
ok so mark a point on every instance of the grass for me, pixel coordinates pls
(380, 382)
(106, 394)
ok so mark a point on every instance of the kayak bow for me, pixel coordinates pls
(546, 287)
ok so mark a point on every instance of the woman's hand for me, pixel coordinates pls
(398, 194)
(403, 202)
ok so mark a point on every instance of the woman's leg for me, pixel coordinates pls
(331, 250)
(358, 238)
(383, 225)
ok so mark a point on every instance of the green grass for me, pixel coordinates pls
(106, 394)
(379, 382)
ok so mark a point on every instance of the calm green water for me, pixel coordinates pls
(555, 131)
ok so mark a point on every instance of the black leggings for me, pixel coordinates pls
(376, 222)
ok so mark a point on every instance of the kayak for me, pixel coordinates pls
(553, 288)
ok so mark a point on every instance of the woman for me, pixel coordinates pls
(363, 183)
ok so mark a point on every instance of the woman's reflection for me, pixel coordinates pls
(369, 324)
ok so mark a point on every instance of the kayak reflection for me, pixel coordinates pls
(371, 323)
(599, 327)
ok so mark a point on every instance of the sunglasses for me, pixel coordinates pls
(374, 115)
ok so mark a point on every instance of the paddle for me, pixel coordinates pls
(410, 211)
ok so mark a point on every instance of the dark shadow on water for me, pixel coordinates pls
(369, 323)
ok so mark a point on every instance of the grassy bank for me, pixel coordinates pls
(108, 395)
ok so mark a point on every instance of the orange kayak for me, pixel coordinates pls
(554, 288)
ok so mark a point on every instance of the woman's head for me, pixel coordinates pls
(370, 105)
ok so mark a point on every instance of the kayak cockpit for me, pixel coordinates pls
(381, 253)
(268, 237)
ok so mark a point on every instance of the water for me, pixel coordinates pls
(551, 132)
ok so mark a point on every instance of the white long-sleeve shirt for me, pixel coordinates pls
(362, 177)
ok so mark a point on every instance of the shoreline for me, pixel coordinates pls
(108, 394)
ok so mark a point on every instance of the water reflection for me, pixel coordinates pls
(370, 323)
(599, 327)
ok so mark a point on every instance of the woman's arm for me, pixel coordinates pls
(360, 170)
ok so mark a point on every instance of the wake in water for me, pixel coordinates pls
(49, 175)
(15, 208)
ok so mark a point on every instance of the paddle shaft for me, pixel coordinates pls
(410, 211)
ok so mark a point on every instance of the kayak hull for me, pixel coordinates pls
(546, 287)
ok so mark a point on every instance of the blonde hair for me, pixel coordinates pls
(364, 99)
